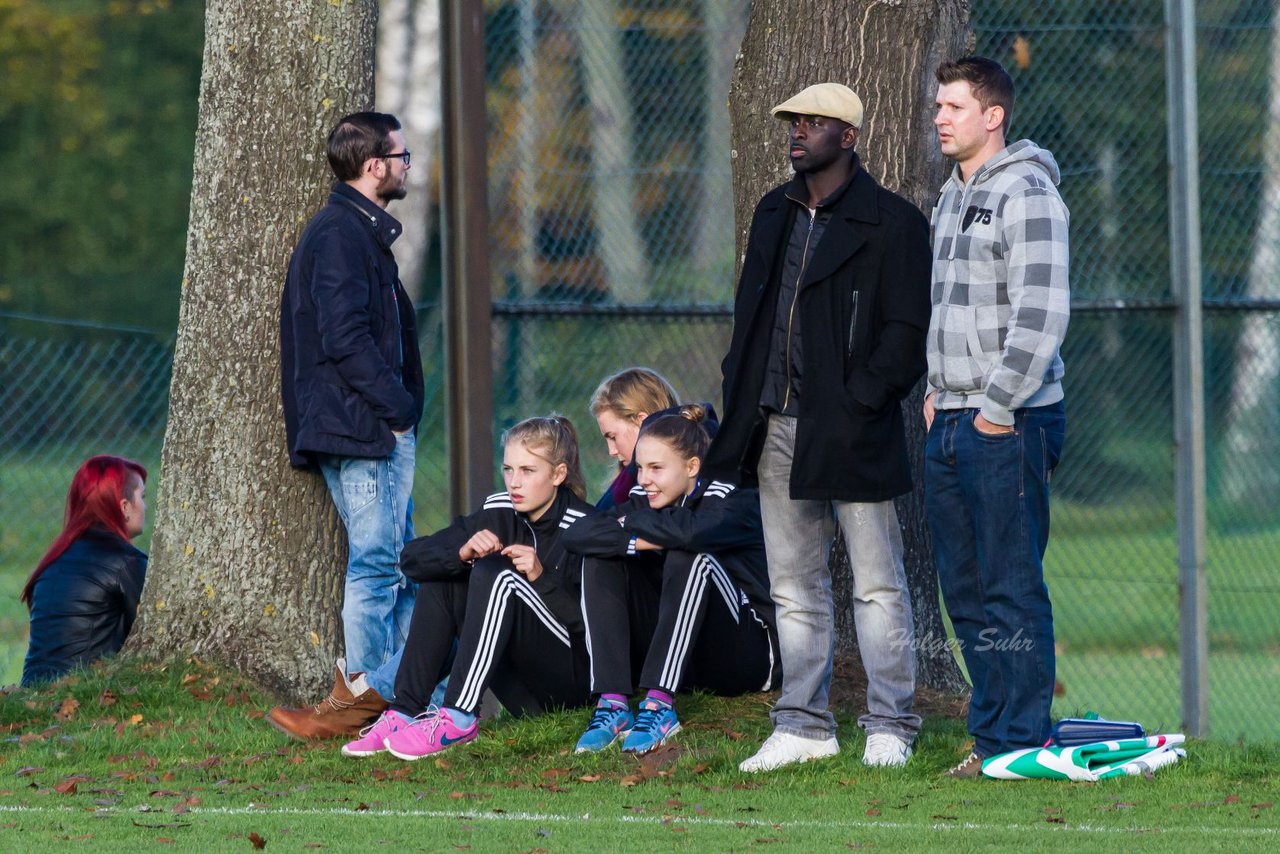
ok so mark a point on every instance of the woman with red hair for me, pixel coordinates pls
(83, 595)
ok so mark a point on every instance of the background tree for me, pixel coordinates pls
(97, 102)
(408, 86)
(887, 53)
(247, 557)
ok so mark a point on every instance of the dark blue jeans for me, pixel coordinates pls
(987, 503)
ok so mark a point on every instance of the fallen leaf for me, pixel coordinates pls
(67, 710)
(27, 771)
(590, 778)
(189, 678)
(1055, 819)
(632, 780)
(873, 811)
(398, 774)
(66, 787)
(135, 719)
(258, 841)
(107, 698)
(361, 807)
(1232, 799)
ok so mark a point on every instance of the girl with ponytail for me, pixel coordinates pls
(503, 586)
(691, 600)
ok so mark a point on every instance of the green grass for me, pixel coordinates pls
(182, 753)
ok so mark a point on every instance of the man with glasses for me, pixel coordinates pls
(351, 382)
(828, 337)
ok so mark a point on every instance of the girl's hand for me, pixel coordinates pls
(525, 560)
(643, 545)
(481, 544)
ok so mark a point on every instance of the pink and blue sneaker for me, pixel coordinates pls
(610, 722)
(372, 736)
(655, 723)
(430, 732)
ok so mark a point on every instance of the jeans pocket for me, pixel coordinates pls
(359, 484)
(990, 437)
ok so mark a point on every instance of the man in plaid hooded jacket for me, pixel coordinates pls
(994, 402)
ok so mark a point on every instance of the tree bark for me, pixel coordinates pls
(887, 53)
(408, 85)
(247, 560)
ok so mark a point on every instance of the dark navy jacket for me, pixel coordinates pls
(83, 605)
(350, 371)
(717, 519)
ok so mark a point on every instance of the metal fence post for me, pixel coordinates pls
(1188, 368)
(467, 289)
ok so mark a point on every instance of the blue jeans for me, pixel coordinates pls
(798, 536)
(373, 497)
(987, 504)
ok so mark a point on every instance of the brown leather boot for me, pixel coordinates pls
(343, 712)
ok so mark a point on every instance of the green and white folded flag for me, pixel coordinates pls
(1088, 762)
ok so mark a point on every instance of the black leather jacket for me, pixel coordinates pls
(83, 605)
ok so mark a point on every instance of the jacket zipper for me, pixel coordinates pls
(533, 534)
(804, 260)
(853, 322)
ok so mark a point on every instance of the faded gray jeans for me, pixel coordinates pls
(798, 536)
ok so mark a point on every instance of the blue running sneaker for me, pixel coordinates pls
(656, 723)
(608, 724)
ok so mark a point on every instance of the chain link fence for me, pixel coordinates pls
(612, 244)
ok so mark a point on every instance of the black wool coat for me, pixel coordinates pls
(864, 309)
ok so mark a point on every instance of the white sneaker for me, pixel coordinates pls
(783, 748)
(886, 749)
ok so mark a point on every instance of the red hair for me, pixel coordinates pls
(96, 491)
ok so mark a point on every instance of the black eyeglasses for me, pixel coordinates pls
(403, 155)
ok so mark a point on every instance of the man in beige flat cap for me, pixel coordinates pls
(828, 337)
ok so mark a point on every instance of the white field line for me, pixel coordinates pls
(549, 818)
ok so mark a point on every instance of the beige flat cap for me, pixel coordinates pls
(833, 100)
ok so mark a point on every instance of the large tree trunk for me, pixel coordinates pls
(886, 52)
(408, 85)
(248, 555)
(1251, 433)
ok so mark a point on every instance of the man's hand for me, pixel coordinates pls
(929, 411)
(987, 428)
(481, 544)
(525, 560)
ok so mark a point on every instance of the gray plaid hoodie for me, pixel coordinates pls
(1001, 299)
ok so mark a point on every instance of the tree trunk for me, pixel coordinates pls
(1255, 391)
(617, 228)
(247, 560)
(887, 53)
(408, 85)
(720, 21)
